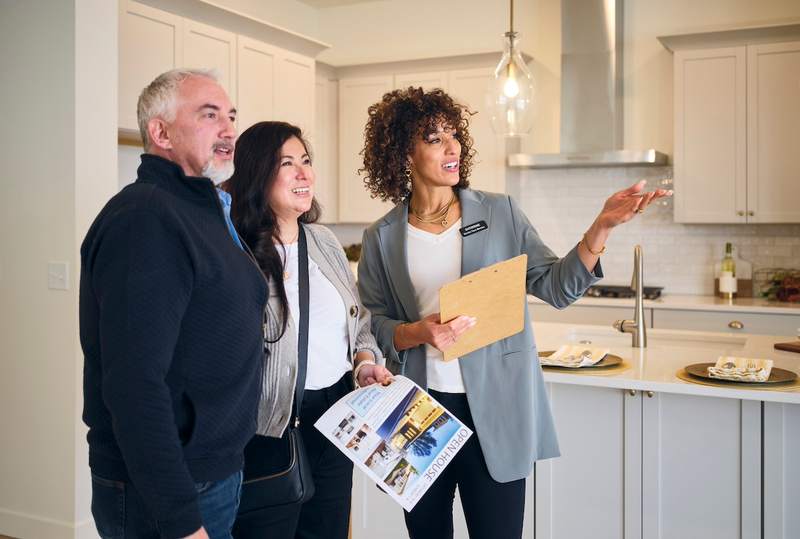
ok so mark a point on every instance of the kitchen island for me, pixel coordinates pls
(647, 455)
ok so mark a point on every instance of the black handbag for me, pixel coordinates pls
(276, 470)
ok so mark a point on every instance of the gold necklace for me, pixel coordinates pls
(286, 273)
(438, 216)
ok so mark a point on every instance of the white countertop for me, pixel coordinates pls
(654, 368)
(694, 303)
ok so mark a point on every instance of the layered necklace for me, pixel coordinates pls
(438, 216)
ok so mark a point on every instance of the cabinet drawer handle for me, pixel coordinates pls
(740, 213)
(751, 213)
(650, 394)
(735, 324)
(632, 392)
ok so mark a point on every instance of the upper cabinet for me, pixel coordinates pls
(736, 118)
(355, 97)
(206, 47)
(265, 81)
(773, 133)
(150, 42)
(357, 93)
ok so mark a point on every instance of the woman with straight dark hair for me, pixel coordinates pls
(273, 209)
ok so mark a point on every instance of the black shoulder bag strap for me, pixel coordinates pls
(302, 341)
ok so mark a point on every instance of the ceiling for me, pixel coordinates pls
(322, 4)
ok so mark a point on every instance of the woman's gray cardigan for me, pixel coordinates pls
(280, 365)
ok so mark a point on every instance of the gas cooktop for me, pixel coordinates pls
(622, 291)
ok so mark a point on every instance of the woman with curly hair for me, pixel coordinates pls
(274, 210)
(418, 154)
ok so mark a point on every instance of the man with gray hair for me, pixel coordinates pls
(171, 314)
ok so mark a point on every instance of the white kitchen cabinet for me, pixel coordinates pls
(257, 63)
(710, 135)
(324, 148)
(650, 466)
(729, 322)
(355, 97)
(469, 86)
(584, 492)
(736, 117)
(207, 47)
(356, 94)
(781, 470)
(773, 135)
(150, 42)
(701, 467)
(295, 82)
(583, 314)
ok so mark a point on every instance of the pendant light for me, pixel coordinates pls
(511, 89)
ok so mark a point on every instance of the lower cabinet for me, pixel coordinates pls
(643, 465)
(781, 470)
(650, 466)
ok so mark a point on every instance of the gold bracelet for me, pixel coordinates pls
(586, 244)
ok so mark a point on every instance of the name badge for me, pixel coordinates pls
(474, 228)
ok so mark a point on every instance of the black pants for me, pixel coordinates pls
(492, 510)
(327, 514)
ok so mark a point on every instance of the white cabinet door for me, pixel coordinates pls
(150, 43)
(773, 135)
(206, 47)
(585, 492)
(374, 514)
(729, 322)
(781, 470)
(584, 314)
(256, 84)
(469, 87)
(295, 83)
(355, 97)
(701, 467)
(323, 144)
(710, 136)
(427, 80)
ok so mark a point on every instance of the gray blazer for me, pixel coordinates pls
(280, 366)
(504, 383)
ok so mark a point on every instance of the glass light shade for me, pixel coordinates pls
(511, 92)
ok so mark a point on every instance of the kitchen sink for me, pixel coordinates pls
(657, 338)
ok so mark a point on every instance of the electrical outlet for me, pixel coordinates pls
(58, 275)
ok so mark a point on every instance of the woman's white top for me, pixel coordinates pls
(435, 260)
(327, 322)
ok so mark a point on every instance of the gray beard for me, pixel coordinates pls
(218, 174)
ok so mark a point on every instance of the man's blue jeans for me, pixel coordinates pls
(119, 511)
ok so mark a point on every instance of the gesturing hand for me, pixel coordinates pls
(623, 205)
(443, 336)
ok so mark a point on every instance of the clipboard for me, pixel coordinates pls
(495, 296)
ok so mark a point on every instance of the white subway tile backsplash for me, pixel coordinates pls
(561, 204)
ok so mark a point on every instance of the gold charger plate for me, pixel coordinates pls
(609, 361)
(776, 376)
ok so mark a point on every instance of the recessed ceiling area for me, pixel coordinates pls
(322, 4)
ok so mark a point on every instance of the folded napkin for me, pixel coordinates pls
(741, 369)
(574, 356)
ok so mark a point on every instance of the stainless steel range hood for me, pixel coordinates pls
(591, 92)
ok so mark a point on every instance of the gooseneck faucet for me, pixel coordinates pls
(636, 327)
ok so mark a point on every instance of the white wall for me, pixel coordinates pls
(49, 181)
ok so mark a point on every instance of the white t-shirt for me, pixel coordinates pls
(327, 322)
(435, 260)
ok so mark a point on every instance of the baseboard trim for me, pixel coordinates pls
(27, 526)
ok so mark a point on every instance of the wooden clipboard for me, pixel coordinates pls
(495, 296)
